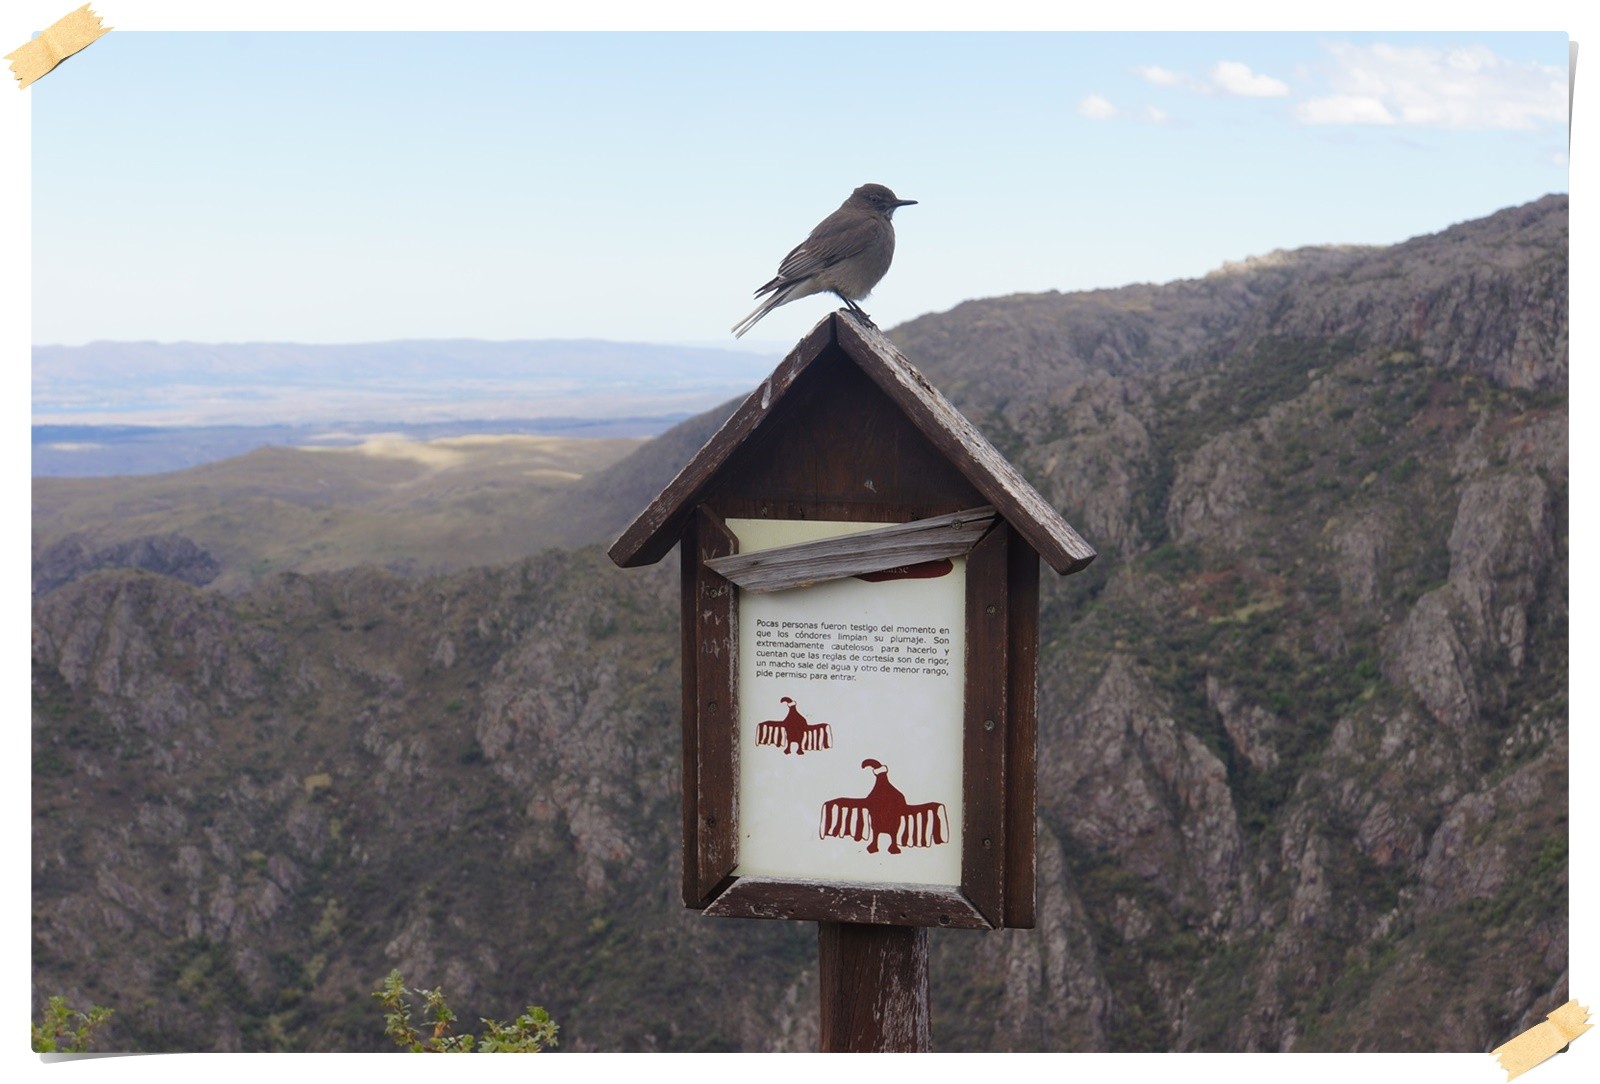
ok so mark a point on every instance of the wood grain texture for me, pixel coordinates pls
(1022, 733)
(868, 904)
(715, 775)
(874, 989)
(803, 564)
(985, 726)
(688, 595)
(837, 437)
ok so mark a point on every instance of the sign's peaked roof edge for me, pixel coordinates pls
(658, 528)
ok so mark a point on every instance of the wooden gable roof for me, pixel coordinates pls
(658, 528)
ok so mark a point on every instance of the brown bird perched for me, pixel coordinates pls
(846, 254)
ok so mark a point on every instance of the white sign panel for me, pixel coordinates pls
(850, 720)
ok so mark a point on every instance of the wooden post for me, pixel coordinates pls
(874, 982)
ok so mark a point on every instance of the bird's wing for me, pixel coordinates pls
(837, 237)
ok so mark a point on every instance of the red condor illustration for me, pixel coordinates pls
(884, 812)
(793, 730)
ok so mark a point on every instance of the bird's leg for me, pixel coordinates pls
(853, 307)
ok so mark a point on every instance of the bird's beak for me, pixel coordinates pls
(904, 202)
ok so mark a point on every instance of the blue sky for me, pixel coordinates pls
(635, 186)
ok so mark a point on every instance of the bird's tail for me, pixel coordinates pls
(778, 297)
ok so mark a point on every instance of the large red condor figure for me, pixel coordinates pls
(884, 812)
(793, 730)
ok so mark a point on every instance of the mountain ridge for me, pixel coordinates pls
(1302, 726)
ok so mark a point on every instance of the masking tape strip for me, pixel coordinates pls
(60, 40)
(1543, 1039)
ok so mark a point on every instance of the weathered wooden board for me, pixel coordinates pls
(899, 905)
(874, 987)
(987, 725)
(1022, 732)
(713, 620)
(783, 568)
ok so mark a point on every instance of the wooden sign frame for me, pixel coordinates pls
(847, 430)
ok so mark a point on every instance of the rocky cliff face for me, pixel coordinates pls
(1324, 649)
(248, 808)
(1303, 738)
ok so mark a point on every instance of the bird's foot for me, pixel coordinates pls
(853, 307)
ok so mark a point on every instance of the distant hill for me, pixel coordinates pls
(1303, 725)
(404, 505)
(410, 381)
(100, 451)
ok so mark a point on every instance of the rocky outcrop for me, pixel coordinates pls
(1488, 296)
(166, 554)
(1212, 496)
(1250, 728)
(1148, 794)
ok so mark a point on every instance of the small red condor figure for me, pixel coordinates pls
(884, 812)
(793, 730)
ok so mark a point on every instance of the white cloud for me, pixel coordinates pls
(1344, 109)
(1160, 76)
(1465, 87)
(1232, 77)
(1228, 77)
(1096, 108)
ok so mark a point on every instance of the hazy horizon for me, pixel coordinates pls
(408, 380)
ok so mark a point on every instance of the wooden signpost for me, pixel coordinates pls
(860, 632)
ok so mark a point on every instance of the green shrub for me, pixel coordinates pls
(527, 1034)
(56, 1033)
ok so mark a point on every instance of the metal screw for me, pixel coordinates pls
(988, 724)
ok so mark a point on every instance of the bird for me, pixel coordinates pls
(847, 253)
(884, 812)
